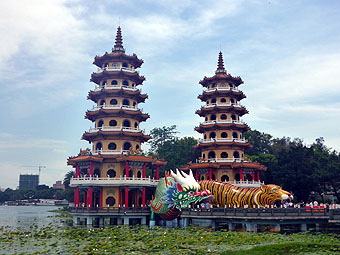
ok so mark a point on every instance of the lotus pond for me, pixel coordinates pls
(141, 240)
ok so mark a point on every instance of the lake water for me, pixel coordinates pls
(26, 216)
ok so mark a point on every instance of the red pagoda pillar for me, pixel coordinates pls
(101, 198)
(253, 177)
(143, 197)
(127, 168)
(144, 167)
(210, 174)
(76, 197)
(157, 172)
(196, 175)
(241, 174)
(85, 198)
(77, 171)
(90, 197)
(91, 169)
(119, 197)
(258, 175)
(126, 197)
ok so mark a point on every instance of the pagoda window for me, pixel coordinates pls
(111, 173)
(203, 155)
(112, 146)
(211, 154)
(237, 177)
(223, 100)
(113, 123)
(99, 146)
(233, 117)
(137, 147)
(205, 137)
(125, 83)
(126, 102)
(236, 154)
(104, 83)
(102, 102)
(115, 65)
(206, 118)
(100, 123)
(213, 117)
(96, 172)
(110, 201)
(213, 101)
(232, 100)
(231, 86)
(134, 104)
(114, 82)
(235, 135)
(223, 117)
(113, 102)
(131, 173)
(106, 65)
(136, 125)
(225, 178)
(139, 174)
(223, 85)
(83, 172)
(212, 135)
(224, 155)
(127, 146)
(224, 134)
(125, 65)
(126, 123)
(214, 85)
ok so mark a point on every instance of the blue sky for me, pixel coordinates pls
(287, 53)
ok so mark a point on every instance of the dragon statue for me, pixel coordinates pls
(229, 195)
(175, 191)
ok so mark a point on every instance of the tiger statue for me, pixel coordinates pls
(229, 195)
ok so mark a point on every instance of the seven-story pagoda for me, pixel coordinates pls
(114, 172)
(222, 147)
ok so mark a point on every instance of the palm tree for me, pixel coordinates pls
(68, 177)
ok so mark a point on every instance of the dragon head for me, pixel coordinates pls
(183, 190)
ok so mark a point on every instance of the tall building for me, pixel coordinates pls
(114, 172)
(28, 181)
(222, 147)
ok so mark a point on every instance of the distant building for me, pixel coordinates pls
(59, 185)
(28, 181)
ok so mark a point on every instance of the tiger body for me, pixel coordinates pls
(226, 194)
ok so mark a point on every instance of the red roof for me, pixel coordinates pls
(74, 160)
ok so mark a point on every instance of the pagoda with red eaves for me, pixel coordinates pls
(113, 174)
(222, 147)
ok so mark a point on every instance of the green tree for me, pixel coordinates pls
(68, 177)
(161, 135)
(260, 141)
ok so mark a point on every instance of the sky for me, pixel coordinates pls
(287, 53)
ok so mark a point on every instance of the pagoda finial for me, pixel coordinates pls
(119, 42)
(220, 64)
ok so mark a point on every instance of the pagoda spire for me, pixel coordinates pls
(220, 65)
(119, 42)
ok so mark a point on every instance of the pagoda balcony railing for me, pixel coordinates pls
(240, 122)
(117, 128)
(115, 107)
(223, 140)
(109, 152)
(110, 181)
(223, 160)
(115, 87)
(222, 89)
(223, 104)
(115, 69)
(245, 183)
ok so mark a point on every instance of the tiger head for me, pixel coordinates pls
(270, 193)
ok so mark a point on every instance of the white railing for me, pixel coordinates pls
(116, 87)
(240, 122)
(109, 152)
(222, 89)
(115, 69)
(108, 181)
(246, 183)
(223, 160)
(223, 104)
(223, 140)
(117, 128)
(115, 107)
